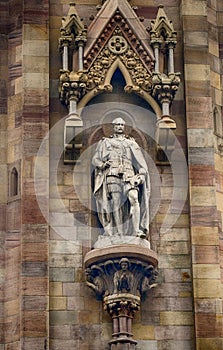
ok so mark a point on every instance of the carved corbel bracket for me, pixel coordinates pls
(165, 87)
(121, 276)
(72, 85)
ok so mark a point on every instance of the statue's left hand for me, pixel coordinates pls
(137, 180)
(141, 179)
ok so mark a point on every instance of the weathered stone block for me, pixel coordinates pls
(87, 317)
(58, 303)
(57, 344)
(195, 23)
(215, 79)
(35, 303)
(36, 80)
(12, 307)
(176, 345)
(176, 318)
(210, 306)
(34, 32)
(200, 137)
(202, 175)
(209, 343)
(63, 317)
(61, 274)
(204, 216)
(34, 343)
(213, 47)
(206, 271)
(205, 254)
(147, 344)
(175, 234)
(35, 252)
(174, 261)
(34, 323)
(174, 248)
(196, 38)
(207, 288)
(56, 288)
(65, 260)
(174, 332)
(208, 325)
(35, 233)
(143, 332)
(34, 268)
(73, 289)
(77, 303)
(196, 72)
(65, 247)
(197, 7)
(35, 285)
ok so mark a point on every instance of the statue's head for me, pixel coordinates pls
(118, 121)
(118, 125)
(124, 262)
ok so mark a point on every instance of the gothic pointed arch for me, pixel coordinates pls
(117, 39)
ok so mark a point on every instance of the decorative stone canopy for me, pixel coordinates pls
(117, 39)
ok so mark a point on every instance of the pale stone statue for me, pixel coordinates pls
(122, 184)
(123, 279)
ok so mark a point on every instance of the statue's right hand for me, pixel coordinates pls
(107, 164)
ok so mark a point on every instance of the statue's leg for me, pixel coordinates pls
(134, 209)
(117, 211)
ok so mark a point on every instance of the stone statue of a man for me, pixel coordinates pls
(122, 184)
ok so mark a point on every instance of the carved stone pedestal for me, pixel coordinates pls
(122, 308)
(120, 276)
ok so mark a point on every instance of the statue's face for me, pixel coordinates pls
(119, 128)
(124, 266)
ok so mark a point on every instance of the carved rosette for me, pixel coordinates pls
(121, 276)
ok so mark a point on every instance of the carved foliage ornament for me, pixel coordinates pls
(119, 26)
(109, 277)
(118, 47)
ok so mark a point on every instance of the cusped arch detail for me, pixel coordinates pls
(118, 65)
(130, 87)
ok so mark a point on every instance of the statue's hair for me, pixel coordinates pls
(126, 260)
(118, 121)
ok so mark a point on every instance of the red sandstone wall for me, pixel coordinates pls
(25, 72)
(76, 318)
(3, 154)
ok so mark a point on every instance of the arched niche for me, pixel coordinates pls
(104, 107)
(217, 122)
(140, 120)
(14, 182)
